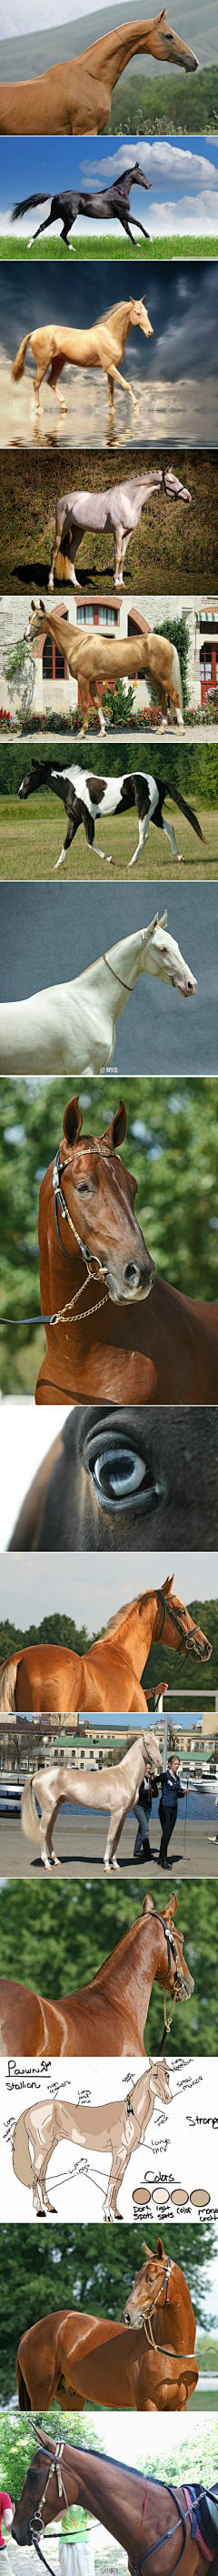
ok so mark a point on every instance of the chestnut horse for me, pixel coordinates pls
(75, 97)
(44, 1679)
(164, 1356)
(106, 2018)
(72, 2355)
(93, 657)
(61, 2475)
(106, 2127)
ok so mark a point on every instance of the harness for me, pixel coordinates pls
(135, 2564)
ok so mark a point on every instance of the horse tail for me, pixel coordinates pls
(188, 810)
(21, 2158)
(176, 677)
(31, 1824)
(63, 560)
(24, 2400)
(8, 1677)
(22, 209)
(18, 368)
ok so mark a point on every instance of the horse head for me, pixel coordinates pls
(136, 177)
(99, 1197)
(40, 2489)
(177, 1623)
(172, 1973)
(167, 47)
(150, 2288)
(139, 318)
(175, 491)
(163, 958)
(36, 622)
(33, 778)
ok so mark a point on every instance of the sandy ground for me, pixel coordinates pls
(171, 412)
(80, 1843)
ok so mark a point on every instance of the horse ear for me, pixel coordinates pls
(171, 1909)
(72, 1122)
(42, 605)
(146, 2248)
(114, 1135)
(169, 1580)
(147, 1907)
(33, 603)
(160, 2250)
(162, 920)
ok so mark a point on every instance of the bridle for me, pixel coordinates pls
(187, 1635)
(135, 2565)
(147, 2324)
(118, 979)
(171, 1945)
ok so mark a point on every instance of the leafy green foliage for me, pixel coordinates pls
(205, 1615)
(193, 769)
(177, 106)
(58, 1946)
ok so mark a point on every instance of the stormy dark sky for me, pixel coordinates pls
(182, 303)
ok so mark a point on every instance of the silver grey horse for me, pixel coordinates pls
(118, 509)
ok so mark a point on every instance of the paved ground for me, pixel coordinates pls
(79, 1843)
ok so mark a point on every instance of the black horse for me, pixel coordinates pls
(74, 201)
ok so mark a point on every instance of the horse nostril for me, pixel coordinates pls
(131, 1274)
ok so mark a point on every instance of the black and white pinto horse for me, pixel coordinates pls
(117, 510)
(87, 797)
(111, 201)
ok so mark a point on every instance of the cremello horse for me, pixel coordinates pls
(102, 344)
(115, 2128)
(75, 97)
(115, 1787)
(93, 658)
(71, 1028)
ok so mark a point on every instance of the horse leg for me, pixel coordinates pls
(96, 702)
(54, 371)
(144, 821)
(41, 228)
(85, 686)
(117, 379)
(64, 234)
(120, 2161)
(37, 381)
(113, 1839)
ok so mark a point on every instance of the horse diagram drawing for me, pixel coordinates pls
(148, 2152)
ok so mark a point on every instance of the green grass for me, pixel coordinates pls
(107, 246)
(31, 838)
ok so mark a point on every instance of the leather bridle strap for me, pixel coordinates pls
(118, 979)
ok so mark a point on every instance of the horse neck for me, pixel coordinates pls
(127, 959)
(56, 626)
(176, 2318)
(132, 1967)
(110, 2490)
(113, 51)
(137, 1632)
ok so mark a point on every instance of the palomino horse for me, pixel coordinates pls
(118, 510)
(102, 344)
(93, 657)
(60, 2475)
(111, 202)
(86, 796)
(169, 1355)
(53, 1678)
(115, 2128)
(121, 1477)
(116, 1788)
(72, 1027)
(75, 97)
(106, 2018)
(70, 2355)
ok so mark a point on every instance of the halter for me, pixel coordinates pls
(89, 1258)
(135, 2565)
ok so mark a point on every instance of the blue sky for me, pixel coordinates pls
(92, 1589)
(183, 175)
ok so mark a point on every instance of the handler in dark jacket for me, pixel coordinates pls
(171, 1790)
(142, 1811)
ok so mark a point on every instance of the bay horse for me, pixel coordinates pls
(61, 2474)
(106, 2018)
(102, 344)
(72, 1027)
(42, 1679)
(87, 796)
(121, 1476)
(118, 509)
(115, 2128)
(73, 2355)
(111, 202)
(115, 1788)
(93, 658)
(75, 97)
(170, 1355)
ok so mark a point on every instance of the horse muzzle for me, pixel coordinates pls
(184, 984)
(133, 1283)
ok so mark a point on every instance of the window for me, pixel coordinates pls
(100, 616)
(54, 665)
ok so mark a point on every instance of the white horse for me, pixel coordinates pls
(71, 1028)
(115, 1788)
(115, 2128)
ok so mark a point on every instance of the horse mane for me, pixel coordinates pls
(113, 309)
(120, 1616)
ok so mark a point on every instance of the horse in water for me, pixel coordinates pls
(115, 1788)
(168, 1355)
(75, 97)
(72, 2355)
(87, 796)
(120, 1477)
(102, 344)
(111, 203)
(61, 2475)
(117, 510)
(51, 1678)
(72, 1027)
(106, 2018)
(115, 2128)
(93, 657)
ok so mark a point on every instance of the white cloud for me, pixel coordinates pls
(161, 158)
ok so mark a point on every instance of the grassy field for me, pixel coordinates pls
(31, 838)
(173, 549)
(109, 246)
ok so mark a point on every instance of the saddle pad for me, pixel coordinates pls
(205, 2517)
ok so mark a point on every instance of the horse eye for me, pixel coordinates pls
(118, 1473)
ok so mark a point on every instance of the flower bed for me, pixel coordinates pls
(145, 721)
